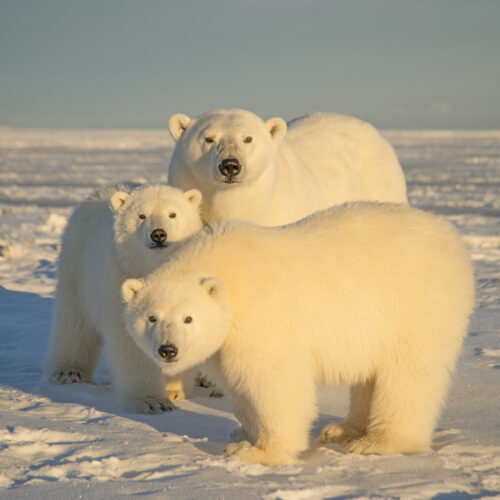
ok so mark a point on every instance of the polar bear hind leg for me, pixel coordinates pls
(404, 406)
(74, 345)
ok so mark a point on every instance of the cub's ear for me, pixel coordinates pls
(194, 197)
(130, 289)
(213, 286)
(276, 128)
(177, 125)
(118, 199)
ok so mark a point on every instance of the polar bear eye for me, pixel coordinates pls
(152, 319)
(209, 139)
(142, 216)
(188, 319)
(173, 215)
(248, 139)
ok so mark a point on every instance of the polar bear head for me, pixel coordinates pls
(150, 222)
(222, 148)
(177, 317)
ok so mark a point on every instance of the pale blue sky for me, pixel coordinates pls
(133, 63)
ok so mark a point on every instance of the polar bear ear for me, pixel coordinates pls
(177, 125)
(277, 128)
(194, 197)
(130, 289)
(118, 199)
(213, 286)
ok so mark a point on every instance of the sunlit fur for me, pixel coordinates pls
(105, 243)
(287, 172)
(375, 296)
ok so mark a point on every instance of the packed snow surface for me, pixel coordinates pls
(74, 441)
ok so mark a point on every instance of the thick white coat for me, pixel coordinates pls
(105, 243)
(376, 296)
(287, 172)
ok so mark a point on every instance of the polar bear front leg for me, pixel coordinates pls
(181, 386)
(279, 417)
(138, 382)
(245, 414)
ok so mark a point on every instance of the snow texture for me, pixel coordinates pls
(74, 441)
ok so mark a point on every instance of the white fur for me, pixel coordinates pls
(376, 296)
(106, 242)
(321, 160)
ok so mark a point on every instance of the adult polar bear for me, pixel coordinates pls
(271, 174)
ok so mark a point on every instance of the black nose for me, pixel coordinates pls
(158, 235)
(168, 351)
(230, 167)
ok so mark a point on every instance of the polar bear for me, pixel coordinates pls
(118, 233)
(272, 174)
(373, 295)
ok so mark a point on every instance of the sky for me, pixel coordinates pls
(399, 64)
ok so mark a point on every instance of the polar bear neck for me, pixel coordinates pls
(249, 202)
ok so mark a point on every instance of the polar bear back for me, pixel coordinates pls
(336, 158)
(374, 278)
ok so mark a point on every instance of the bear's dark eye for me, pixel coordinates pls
(188, 319)
(248, 139)
(173, 215)
(152, 319)
(209, 139)
(142, 216)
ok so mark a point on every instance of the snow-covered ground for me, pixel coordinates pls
(74, 442)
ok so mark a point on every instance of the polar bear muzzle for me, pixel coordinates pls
(168, 352)
(158, 237)
(229, 168)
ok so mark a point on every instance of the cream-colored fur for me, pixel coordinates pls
(106, 242)
(376, 296)
(287, 172)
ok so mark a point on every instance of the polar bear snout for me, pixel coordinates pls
(168, 352)
(229, 169)
(158, 237)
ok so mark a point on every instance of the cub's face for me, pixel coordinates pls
(150, 222)
(224, 148)
(177, 320)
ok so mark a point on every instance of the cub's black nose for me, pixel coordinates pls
(158, 235)
(230, 167)
(168, 351)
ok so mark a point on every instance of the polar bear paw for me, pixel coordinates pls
(239, 434)
(176, 394)
(254, 455)
(202, 381)
(70, 376)
(216, 393)
(338, 433)
(376, 443)
(150, 405)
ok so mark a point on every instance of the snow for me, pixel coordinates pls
(74, 441)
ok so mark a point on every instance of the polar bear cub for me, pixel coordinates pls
(273, 173)
(376, 296)
(118, 233)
